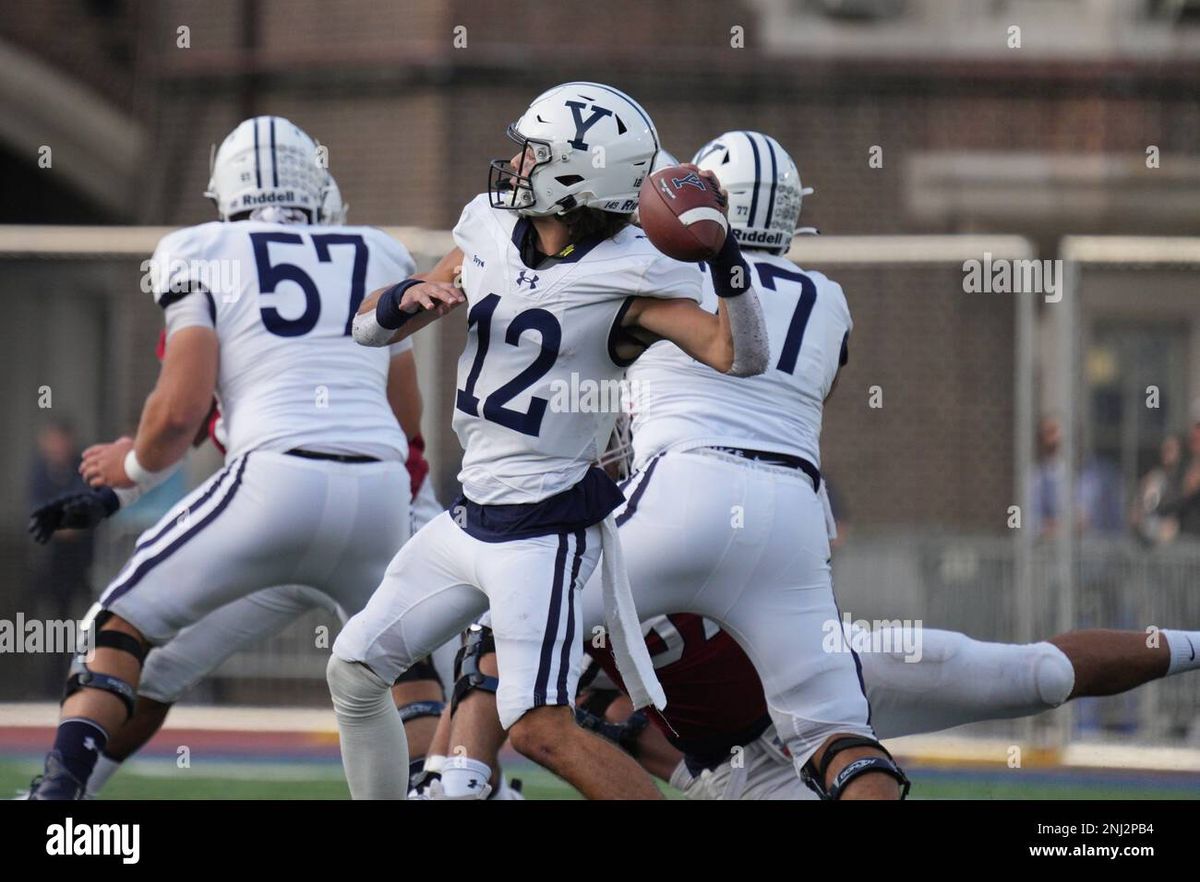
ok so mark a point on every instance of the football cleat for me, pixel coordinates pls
(56, 782)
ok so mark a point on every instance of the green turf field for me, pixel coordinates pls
(152, 779)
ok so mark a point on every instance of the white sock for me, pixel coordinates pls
(374, 747)
(1183, 645)
(463, 777)
(106, 767)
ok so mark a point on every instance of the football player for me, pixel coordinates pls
(198, 649)
(258, 310)
(725, 514)
(559, 286)
(718, 742)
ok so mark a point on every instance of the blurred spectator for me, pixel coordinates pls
(60, 583)
(1158, 491)
(1098, 495)
(1182, 500)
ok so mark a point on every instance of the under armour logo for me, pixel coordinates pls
(89, 743)
(692, 179)
(523, 279)
(582, 125)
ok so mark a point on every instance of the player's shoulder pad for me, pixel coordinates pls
(385, 246)
(182, 261)
(635, 267)
(480, 218)
(828, 291)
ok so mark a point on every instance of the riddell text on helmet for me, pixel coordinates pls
(760, 237)
(269, 198)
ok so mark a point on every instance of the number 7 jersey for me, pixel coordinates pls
(680, 404)
(539, 380)
(281, 298)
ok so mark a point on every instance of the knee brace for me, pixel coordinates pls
(420, 672)
(467, 676)
(814, 776)
(415, 710)
(81, 677)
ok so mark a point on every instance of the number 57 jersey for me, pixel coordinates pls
(539, 380)
(281, 298)
(680, 404)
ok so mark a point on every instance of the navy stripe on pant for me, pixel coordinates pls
(552, 619)
(631, 508)
(155, 559)
(146, 543)
(564, 664)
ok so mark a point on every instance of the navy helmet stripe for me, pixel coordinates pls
(757, 179)
(136, 576)
(274, 157)
(564, 664)
(552, 622)
(774, 181)
(174, 522)
(257, 157)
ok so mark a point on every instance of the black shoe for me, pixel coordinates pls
(56, 782)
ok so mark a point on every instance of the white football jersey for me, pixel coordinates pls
(281, 298)
(681, 404)
(538, 385)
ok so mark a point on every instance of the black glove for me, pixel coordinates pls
(72, 511)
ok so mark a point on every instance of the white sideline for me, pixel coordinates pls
(215, 719)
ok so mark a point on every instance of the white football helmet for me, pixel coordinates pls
(592, 146)
(764, 188)
(332, 211)
(267, 161)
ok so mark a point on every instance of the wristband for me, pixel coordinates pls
(730, 274)
(140, 475)
(388, 312)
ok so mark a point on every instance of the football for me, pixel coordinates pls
(680, 212)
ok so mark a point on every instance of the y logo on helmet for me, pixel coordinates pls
(582, 125)
(692, 180)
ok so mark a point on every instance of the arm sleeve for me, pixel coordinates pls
(194, 310)
(390, 263)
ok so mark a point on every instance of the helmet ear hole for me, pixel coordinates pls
(569, 180)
